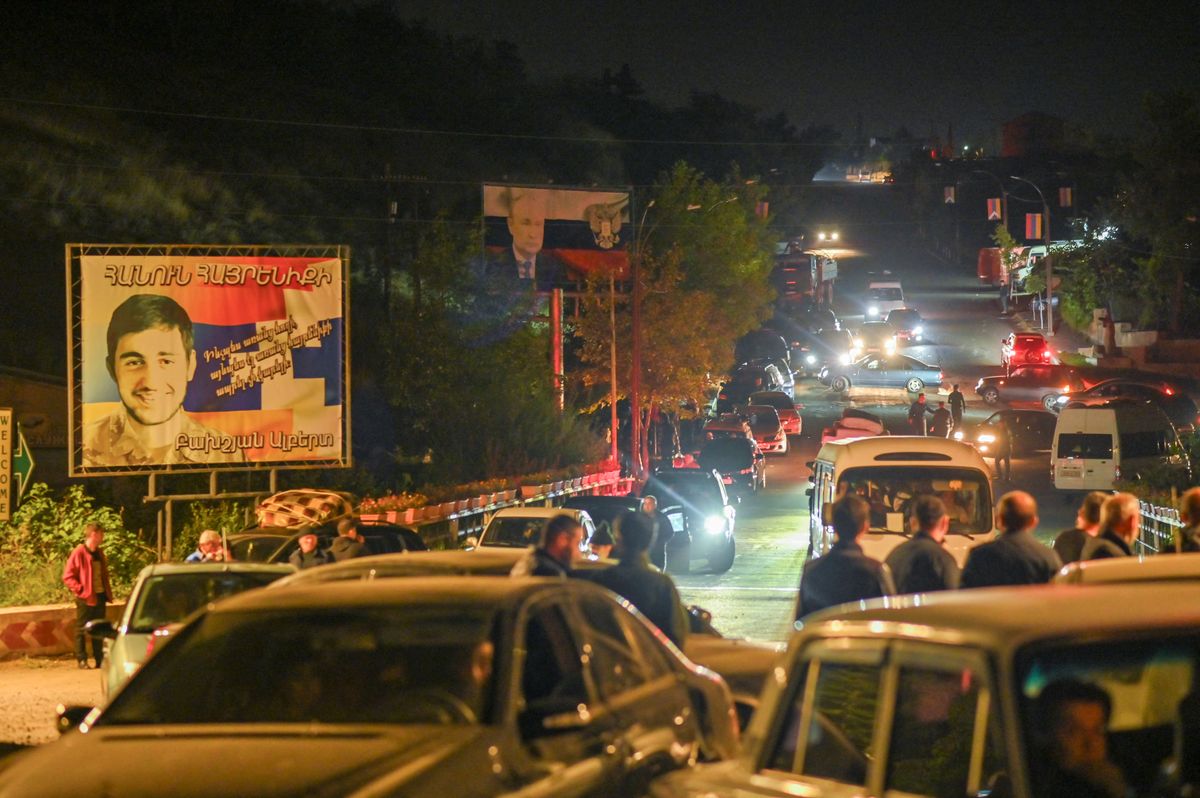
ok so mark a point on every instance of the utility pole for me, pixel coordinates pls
(635, 376)
(1049, 264)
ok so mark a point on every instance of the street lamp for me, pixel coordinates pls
(1046, 240)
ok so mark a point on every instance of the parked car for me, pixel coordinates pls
(908, 324)
(784, 405)
(1178, 406)
(1032, 431)
(883, 296)
(1019, 348)
(1175, 568)
(882, 371)
(747, 379)
(739, 461)
(709, 512)
(944, 695)
(727, 425)
(874, 338)
(1030, 385)
(811, 351)
(767, 429)
(521, 527)
(276, 544)
(398, 687)
(601, 509)
(164, 595)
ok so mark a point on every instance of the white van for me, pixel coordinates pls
(890, 472)
(883, 296)
(1094, 447)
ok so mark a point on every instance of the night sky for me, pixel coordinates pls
(921, 65)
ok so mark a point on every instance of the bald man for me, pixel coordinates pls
(1120, 522)
(1015, 557)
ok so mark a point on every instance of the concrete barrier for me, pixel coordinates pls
(42, 631)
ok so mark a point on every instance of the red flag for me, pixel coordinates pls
(1066, 197)
(1033, 226)
(948, 195)
(994, 209)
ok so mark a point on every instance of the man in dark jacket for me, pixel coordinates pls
(958, 403)
(916, 415)
(309, 555)
(1069, 543)
(939, 426)
(633, 578)
(348, 544)
(845, 573)
(556, 552)
(1120, 522)
(86, 576)
(661, 530)
(922, 564)
(1015, 557)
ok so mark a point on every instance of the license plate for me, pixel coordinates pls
(1070, 473)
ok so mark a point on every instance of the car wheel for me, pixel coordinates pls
(914, 385)
(840, 384)
(679, 560)
(723, 561)
(1050, 402)
(990, 396)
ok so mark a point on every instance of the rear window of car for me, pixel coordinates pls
(1089, 446)
(777, 401)
(170, 598)
(903, 317)
(887, 294)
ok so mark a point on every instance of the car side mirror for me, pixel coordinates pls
(69, 718)
(100, 628)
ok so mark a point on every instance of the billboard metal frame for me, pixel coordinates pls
(75, 365)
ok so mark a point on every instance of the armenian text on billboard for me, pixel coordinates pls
(203, 357)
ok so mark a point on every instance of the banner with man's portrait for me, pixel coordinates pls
(551, 237)
(189, 358)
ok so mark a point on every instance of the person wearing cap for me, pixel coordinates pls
(308, 555)
(209, 549)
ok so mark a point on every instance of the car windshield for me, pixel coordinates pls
(169, 598)
(887, 294)
(891, 490)
(413, 664)
(779, 401)
(763, 418)
(693, 489)
(1151, 687)
(904, 318)
(727, 455)
(514, 531)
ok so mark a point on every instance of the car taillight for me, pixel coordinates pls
(749, 470)
(1116, 472)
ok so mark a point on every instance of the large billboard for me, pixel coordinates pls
(549, 237)
(190, 358)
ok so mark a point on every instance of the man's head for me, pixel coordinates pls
(602, 541)
(308, 542)
(1189, 506)
(1088, 517)
(93, 536)
(562, 537)
(921, 398)
(1073, 716)
(526, 220)
(649, 504)
(1121, 515)
(151, 356)
(851, 518)
(941, 405)
(348, 528)
(210, 542)
(634, 533)
(956, 386)
(1016, 512)
(931, 517)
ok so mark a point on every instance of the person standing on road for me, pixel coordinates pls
(1189, 513)
(349, 543)
(308, 555)
(916, 415)
(556, 552)
(662, 529)
(958, 404)
(1120, 522)
(939, 426)
(86, 576)
(633, 578)
(1003, 449)
(1069, 543)
(922, 564)
(1015, 557)
(845, 573)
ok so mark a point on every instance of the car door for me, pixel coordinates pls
(569, 740)
(1027, 384)
(660, 728)
(872, 373)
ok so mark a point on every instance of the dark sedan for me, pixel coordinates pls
(1030, 385)
(909, 326)
(882, 371)
(1026, 431)
(1178, 406)
(428, 686)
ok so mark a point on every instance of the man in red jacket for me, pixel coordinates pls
(86, 576)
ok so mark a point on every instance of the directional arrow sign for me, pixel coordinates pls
(7, 436)
(22, 466)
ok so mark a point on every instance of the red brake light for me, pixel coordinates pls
(1169, 392)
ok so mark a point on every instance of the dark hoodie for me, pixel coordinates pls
(347, 548)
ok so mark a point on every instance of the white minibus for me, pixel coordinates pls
(1095, 447)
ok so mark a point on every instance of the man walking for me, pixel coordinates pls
(349, 543)
(1003, 449)
(922, 564)
(916, 415)
(556, 552)
(86, 576)
(661, 529)
(958, 403)
(1069, 543)
(1120, 522)
(845, 573)
(1015, 557)
(651, 591)
(939, 426)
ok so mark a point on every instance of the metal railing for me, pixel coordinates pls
(1159, 529)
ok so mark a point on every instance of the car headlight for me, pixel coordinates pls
(987, 438)
(889, 346)
(873, 310)
(810, 359)
(834, 236)
(844, 360)
(821, 236)
(918, 331)
(714, 525)
(958, 435)
(857, 343)
(1062, 400)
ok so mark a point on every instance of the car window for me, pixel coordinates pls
(169, 598)
(840, 734)
(614, 659)
(552, 676)
(875, 363)
(929, 752)
(1088, 446)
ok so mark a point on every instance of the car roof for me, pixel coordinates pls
(170, 568)
(865, 451)
(1130, 569)
(536, 512)
(483, 561)
(1008, 617)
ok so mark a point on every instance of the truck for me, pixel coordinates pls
(802, 277)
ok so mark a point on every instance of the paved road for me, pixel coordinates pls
(756, 597)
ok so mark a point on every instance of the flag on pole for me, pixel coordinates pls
(994, 209)
(948, 195)
(761, 208)
(1033, 226)
(1066, 197)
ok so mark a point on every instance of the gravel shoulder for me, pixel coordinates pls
(31, 688)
